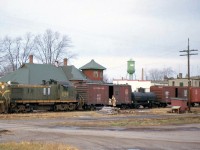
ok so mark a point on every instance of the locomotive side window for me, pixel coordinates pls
(44, 91)
(65, 92)
(49, 91)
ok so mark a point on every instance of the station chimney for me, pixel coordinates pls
(31, 59)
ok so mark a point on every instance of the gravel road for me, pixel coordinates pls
(181, 137)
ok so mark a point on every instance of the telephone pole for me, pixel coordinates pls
(188, 54)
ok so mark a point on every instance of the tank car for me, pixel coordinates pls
(53, 95)
(147, 99)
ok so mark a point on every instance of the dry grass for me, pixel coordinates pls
(35, 146)
(134, 122)
(73, 114)
(46, 115)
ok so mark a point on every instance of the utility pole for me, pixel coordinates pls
(188, 54)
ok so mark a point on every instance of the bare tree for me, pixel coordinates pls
(15, 52)
(8, 53)
(168, 72)
(51, 47)
(156, 74)
(47, 48)
(25, 47)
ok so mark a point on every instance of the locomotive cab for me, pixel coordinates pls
(67, 91)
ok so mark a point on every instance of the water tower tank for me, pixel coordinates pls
(131, 67)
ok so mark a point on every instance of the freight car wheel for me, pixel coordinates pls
(72, 106)
(21, 108)
(137, 106)
(123, 107)
(92, 108)
(66, 107)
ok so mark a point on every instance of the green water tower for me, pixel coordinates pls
(131, 68)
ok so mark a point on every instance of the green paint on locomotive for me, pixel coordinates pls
(22, 96)
(42, 92)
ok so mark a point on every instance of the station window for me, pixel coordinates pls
(95, 74)
(173, 83)
(101, 74)
(181, 84)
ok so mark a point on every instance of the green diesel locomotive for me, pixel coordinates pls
(52, 95)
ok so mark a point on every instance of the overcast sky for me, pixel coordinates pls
(151, 32)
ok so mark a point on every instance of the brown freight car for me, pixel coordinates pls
(195, 95)
(95, 95)
(162, 96)
(165, 93)
(122, 94)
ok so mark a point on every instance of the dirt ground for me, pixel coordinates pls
(81, 130)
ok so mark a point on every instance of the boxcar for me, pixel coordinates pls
(95, 95)
(195, 95)
(122, 94)
(165, 93)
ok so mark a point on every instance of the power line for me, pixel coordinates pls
(188, 54)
